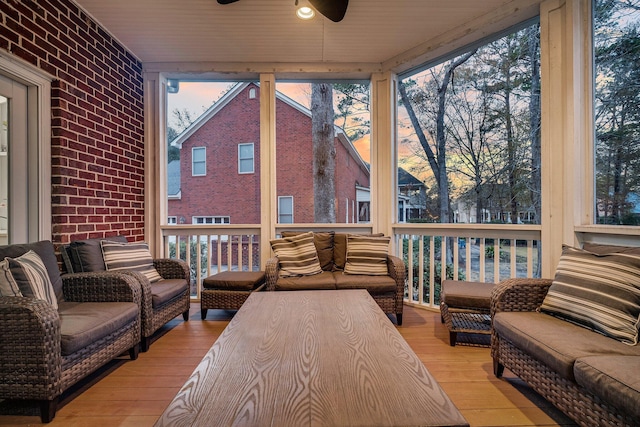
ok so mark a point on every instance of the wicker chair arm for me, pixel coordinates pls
(520, 294)
(29, 348)
(172, 268)
(103, 286)
(271, 271)
(397, 271)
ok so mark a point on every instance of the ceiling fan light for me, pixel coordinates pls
(305, 12)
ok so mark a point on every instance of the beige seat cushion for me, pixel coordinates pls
(83, 323)
(615, 379)
(461, 294)
(320, 281)
(373, 284)
(234, 280)
(555, 342)
(167, 289)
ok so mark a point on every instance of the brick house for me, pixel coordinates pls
(219, 169)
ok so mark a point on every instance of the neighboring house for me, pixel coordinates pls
(218, 179)
(495, 206)
(412, 197)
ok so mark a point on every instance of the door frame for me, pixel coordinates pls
(38, 141)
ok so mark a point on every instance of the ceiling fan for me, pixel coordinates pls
(332, 9)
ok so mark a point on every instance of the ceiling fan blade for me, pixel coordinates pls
(227, 1)
(332, 9)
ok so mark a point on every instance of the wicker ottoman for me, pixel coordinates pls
(465, 307)
(229, 290)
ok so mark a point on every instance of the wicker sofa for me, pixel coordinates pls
(44, 350)
(161, 301)
(591, 377)
(386, 290)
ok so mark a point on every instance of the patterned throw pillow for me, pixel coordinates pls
(8, 285)
(367, 255)
(31, 276)
(297, 255)
(597, 291)
(129, 256)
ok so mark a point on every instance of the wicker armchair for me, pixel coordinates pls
(38, 359)
(161, 301)
(176, 278)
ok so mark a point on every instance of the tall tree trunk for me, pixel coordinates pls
(324, 153)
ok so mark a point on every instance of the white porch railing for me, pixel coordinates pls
(467, 250)
(212, 249)
(474, 252)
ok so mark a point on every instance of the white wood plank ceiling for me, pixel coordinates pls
(375, 34)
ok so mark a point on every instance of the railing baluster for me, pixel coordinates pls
(496, 260)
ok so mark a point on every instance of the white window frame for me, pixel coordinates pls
(280, 214)
(210, 220)
(172, 220)
(241, 159)
(193, 161)
(39, 145)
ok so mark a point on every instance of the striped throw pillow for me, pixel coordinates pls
(8, 285)
(367, 255)
(129, 256)
(597, 291)
(297, 255)
(31, 276)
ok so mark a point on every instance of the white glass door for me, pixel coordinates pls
(14, 178)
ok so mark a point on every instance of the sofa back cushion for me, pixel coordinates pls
(46, 252)
(323, 241)
(598, 248)
(601, 292)
(86, 255)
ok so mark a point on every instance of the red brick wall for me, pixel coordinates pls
(97, 156)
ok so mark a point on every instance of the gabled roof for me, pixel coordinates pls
(405, 179)
(235, 91)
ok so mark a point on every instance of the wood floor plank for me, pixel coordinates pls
(134, 393)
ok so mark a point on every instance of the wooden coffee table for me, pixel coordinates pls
(306, 358)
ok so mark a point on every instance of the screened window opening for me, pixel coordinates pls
(616, 53)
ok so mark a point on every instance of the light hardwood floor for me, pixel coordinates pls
(134, 393)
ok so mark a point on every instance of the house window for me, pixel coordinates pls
(211, 220)
(199, 161)
(245, 158)
(172, 220)
(285, 209)
(616, 118)
(252, 93)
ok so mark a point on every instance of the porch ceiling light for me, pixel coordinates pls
(304, 12)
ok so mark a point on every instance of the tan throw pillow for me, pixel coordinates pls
(597, 291)
(129, 256)
(8, 285)
(297, 255)
(323, 241)
(367, 255)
